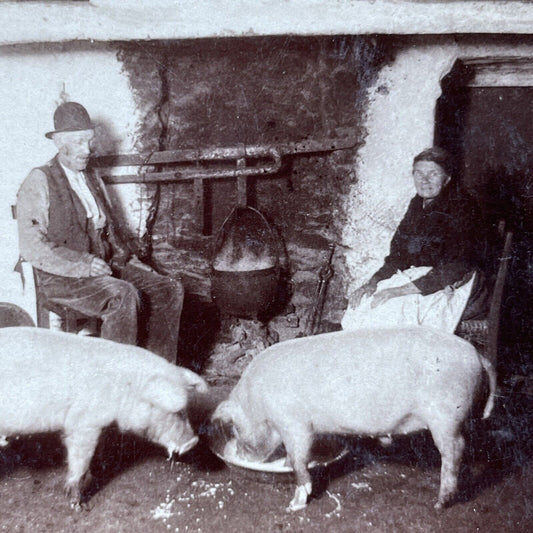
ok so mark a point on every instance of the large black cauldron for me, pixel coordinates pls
(245, 272)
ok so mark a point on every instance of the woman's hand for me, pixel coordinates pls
(386, 294)
(368, 289)
(99, 268)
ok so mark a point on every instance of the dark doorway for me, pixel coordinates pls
(489, 129)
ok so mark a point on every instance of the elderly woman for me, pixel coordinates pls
(429, 275)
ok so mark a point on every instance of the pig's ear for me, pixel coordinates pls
(160, 392)
(223, 412)
(193, 381)
(228, 411)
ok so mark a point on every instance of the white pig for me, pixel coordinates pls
(376, 382)
(54, 381)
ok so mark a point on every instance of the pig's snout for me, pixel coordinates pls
(181, 443)
(189, 445)
(172, 431)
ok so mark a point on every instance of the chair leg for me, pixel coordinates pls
(93, 324)
(43, 316)
(70, 321)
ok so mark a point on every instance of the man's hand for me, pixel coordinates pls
(368, 289)
(99, 268)
(135, 261)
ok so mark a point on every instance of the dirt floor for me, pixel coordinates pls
(374, 489)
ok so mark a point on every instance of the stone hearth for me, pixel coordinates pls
(238, 342)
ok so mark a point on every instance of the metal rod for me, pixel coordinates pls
(223, 153)
(238, 153)
(325, 274)
(195, 173)
(242, 183)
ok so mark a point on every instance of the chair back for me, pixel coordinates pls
(497, 293)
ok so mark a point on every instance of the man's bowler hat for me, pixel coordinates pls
(70, 116)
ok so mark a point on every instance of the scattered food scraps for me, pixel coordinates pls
(337, 502)
(164, 510)
(362, 485)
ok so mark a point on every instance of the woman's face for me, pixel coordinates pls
(430, 178)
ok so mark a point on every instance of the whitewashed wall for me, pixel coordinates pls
(45, 21)
(30, 88)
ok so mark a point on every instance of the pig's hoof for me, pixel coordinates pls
(73, 493)
(295, 507)
(385, 441)
(440, 506)
(78, 505)
(86, 506)
(300, 498)
(75, 505)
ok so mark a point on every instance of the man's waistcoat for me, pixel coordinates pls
(68, 224)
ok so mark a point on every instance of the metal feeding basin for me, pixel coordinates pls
(325, 451)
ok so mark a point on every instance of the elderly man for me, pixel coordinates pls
(66, 232)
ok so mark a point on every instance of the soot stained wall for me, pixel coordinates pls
(266, 91)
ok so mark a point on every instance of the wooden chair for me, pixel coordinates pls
(70, 318)
(484, 333)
